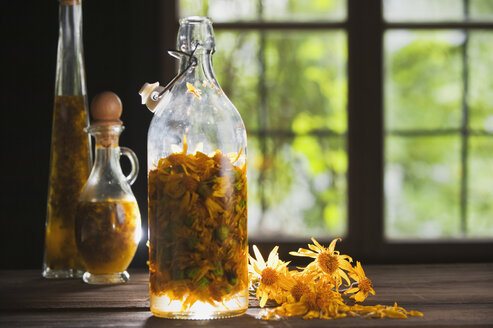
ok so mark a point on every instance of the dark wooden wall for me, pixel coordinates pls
(124, 43)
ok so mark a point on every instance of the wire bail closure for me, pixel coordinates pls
(192, 62)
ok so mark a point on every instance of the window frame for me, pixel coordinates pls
(365, 239)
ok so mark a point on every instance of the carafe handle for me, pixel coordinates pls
(134, 162)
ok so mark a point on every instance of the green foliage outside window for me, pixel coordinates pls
(290, 87)
(437, 147)
(297, 131)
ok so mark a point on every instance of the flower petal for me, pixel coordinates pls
(317, 244)
(359, 297)
(258, 256)
(256, 268)
(344, 264)
(273, 257)
(359, 269)
(351, 290)
(264, 299)
(314, 248)
(333, 244)
(304, 252)
(394, 314)
(343, 275)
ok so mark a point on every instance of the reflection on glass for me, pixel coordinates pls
(306, 79)
(237, 68)
(423, 79)
(480, 187)
(480, 48)
(422, 187)
(303, 189)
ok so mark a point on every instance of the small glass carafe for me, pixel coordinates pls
(107, 223)
(197, 143)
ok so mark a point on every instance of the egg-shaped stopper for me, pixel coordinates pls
(106, 109)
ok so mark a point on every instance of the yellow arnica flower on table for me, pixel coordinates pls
(301, 285)
(317, 301)
(364, 286)
(312, 292)
(274, 281)
(329, 264)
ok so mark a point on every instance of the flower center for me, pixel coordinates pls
(299, 290)
(365, 285)
(311, 301)
(269, 276)
(328, 263)
(323, 300)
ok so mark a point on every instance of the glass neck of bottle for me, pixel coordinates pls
(196, 37)
(106, 136)
(204, 70)
(70, 75)
(107, 153)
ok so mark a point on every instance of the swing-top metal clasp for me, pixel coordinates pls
(152, 93)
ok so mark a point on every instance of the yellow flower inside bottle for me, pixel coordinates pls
(198, 241)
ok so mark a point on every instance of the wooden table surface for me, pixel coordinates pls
(450, 295)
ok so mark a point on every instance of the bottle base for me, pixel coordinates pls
(62, 274)
(106, 279)
(162, 307)
(198, 316)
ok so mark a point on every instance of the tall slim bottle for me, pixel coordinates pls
(70, 159)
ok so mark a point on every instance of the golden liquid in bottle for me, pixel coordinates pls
(198, 237)
(69, 170)
(108, 233)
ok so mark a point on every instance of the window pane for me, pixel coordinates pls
(302, 187)
(312, 73)
(481, 10)
(423, 10)
(237, 68)
(270, 10)
(423, 79)
(422, 187)
(306, 80)
(255, 163)
(481, 80)
(220, 10)
(480, 188)
(437, 10)
(291, 89)
(304, 10)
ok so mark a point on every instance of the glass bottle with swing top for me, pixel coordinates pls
(107, 223)
(197, 184)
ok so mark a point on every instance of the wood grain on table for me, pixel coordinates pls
(449, 295)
